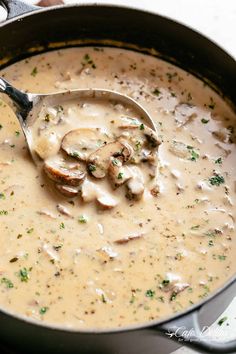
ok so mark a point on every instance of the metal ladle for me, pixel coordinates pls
(27, 105)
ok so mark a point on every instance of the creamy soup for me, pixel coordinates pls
(115, 224)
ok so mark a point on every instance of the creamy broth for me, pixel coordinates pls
(65, 260)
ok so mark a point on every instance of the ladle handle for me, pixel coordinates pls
(21, 100)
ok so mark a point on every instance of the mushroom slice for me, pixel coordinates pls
(152, 137)
(99, 160)
(80, 143)
(118, 174)
(64, 172)
(67, 191)
(135, 185)
(106, 201)
(134, 124)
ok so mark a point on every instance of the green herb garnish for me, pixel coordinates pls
(103, 299)
(150, 293)
(141, 127)
(7, 282)
(219, 161)
(195, 227)
(3, 212)
(120, 175)
(173, 296)
(222, 320)
(29, 231)
(24, 275)
(165, 282)
(194, 154)
(216, 180)
(47, 117)
(62, 225)
(82, 219)
(34, 72)
(221, 257)
(91, 167)
(156, 92)
(74, 154)
(204, 121)
(43, 310)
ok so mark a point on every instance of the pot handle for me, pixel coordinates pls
(186, 329)
(16, 8)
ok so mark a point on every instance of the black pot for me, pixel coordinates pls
(62, 26)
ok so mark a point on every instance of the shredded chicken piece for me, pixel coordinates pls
(107, 253)
(126, 239)
(63, 210)
(46, 213)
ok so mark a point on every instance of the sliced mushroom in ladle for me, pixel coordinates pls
(27, 105)
(64, 172)
(81, 142)
(98, 162)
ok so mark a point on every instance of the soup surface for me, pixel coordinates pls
(88, 251)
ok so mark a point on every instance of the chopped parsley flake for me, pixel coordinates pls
(222, 320)
(173, 296)
(221, 257)
(216, 180)
(120, 175)
(29, 231)
(150, 293)
(62, 225)
(156, 92)
(219, 161)
(210, 243)
(34, 72)
(137, 145)
(204, 121)
(212, 103)
(17, 133)
(91, 167)
(47, 117)
(7, 282)
(115, 162)
(74, 154)
(103, 299)
(82, 219)
(141, 127)
(88, 61)
(3, 212)
(43, 310)
(24, 275)
(195, 227)
(165, 282)
(2, 196)
(194, 154)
